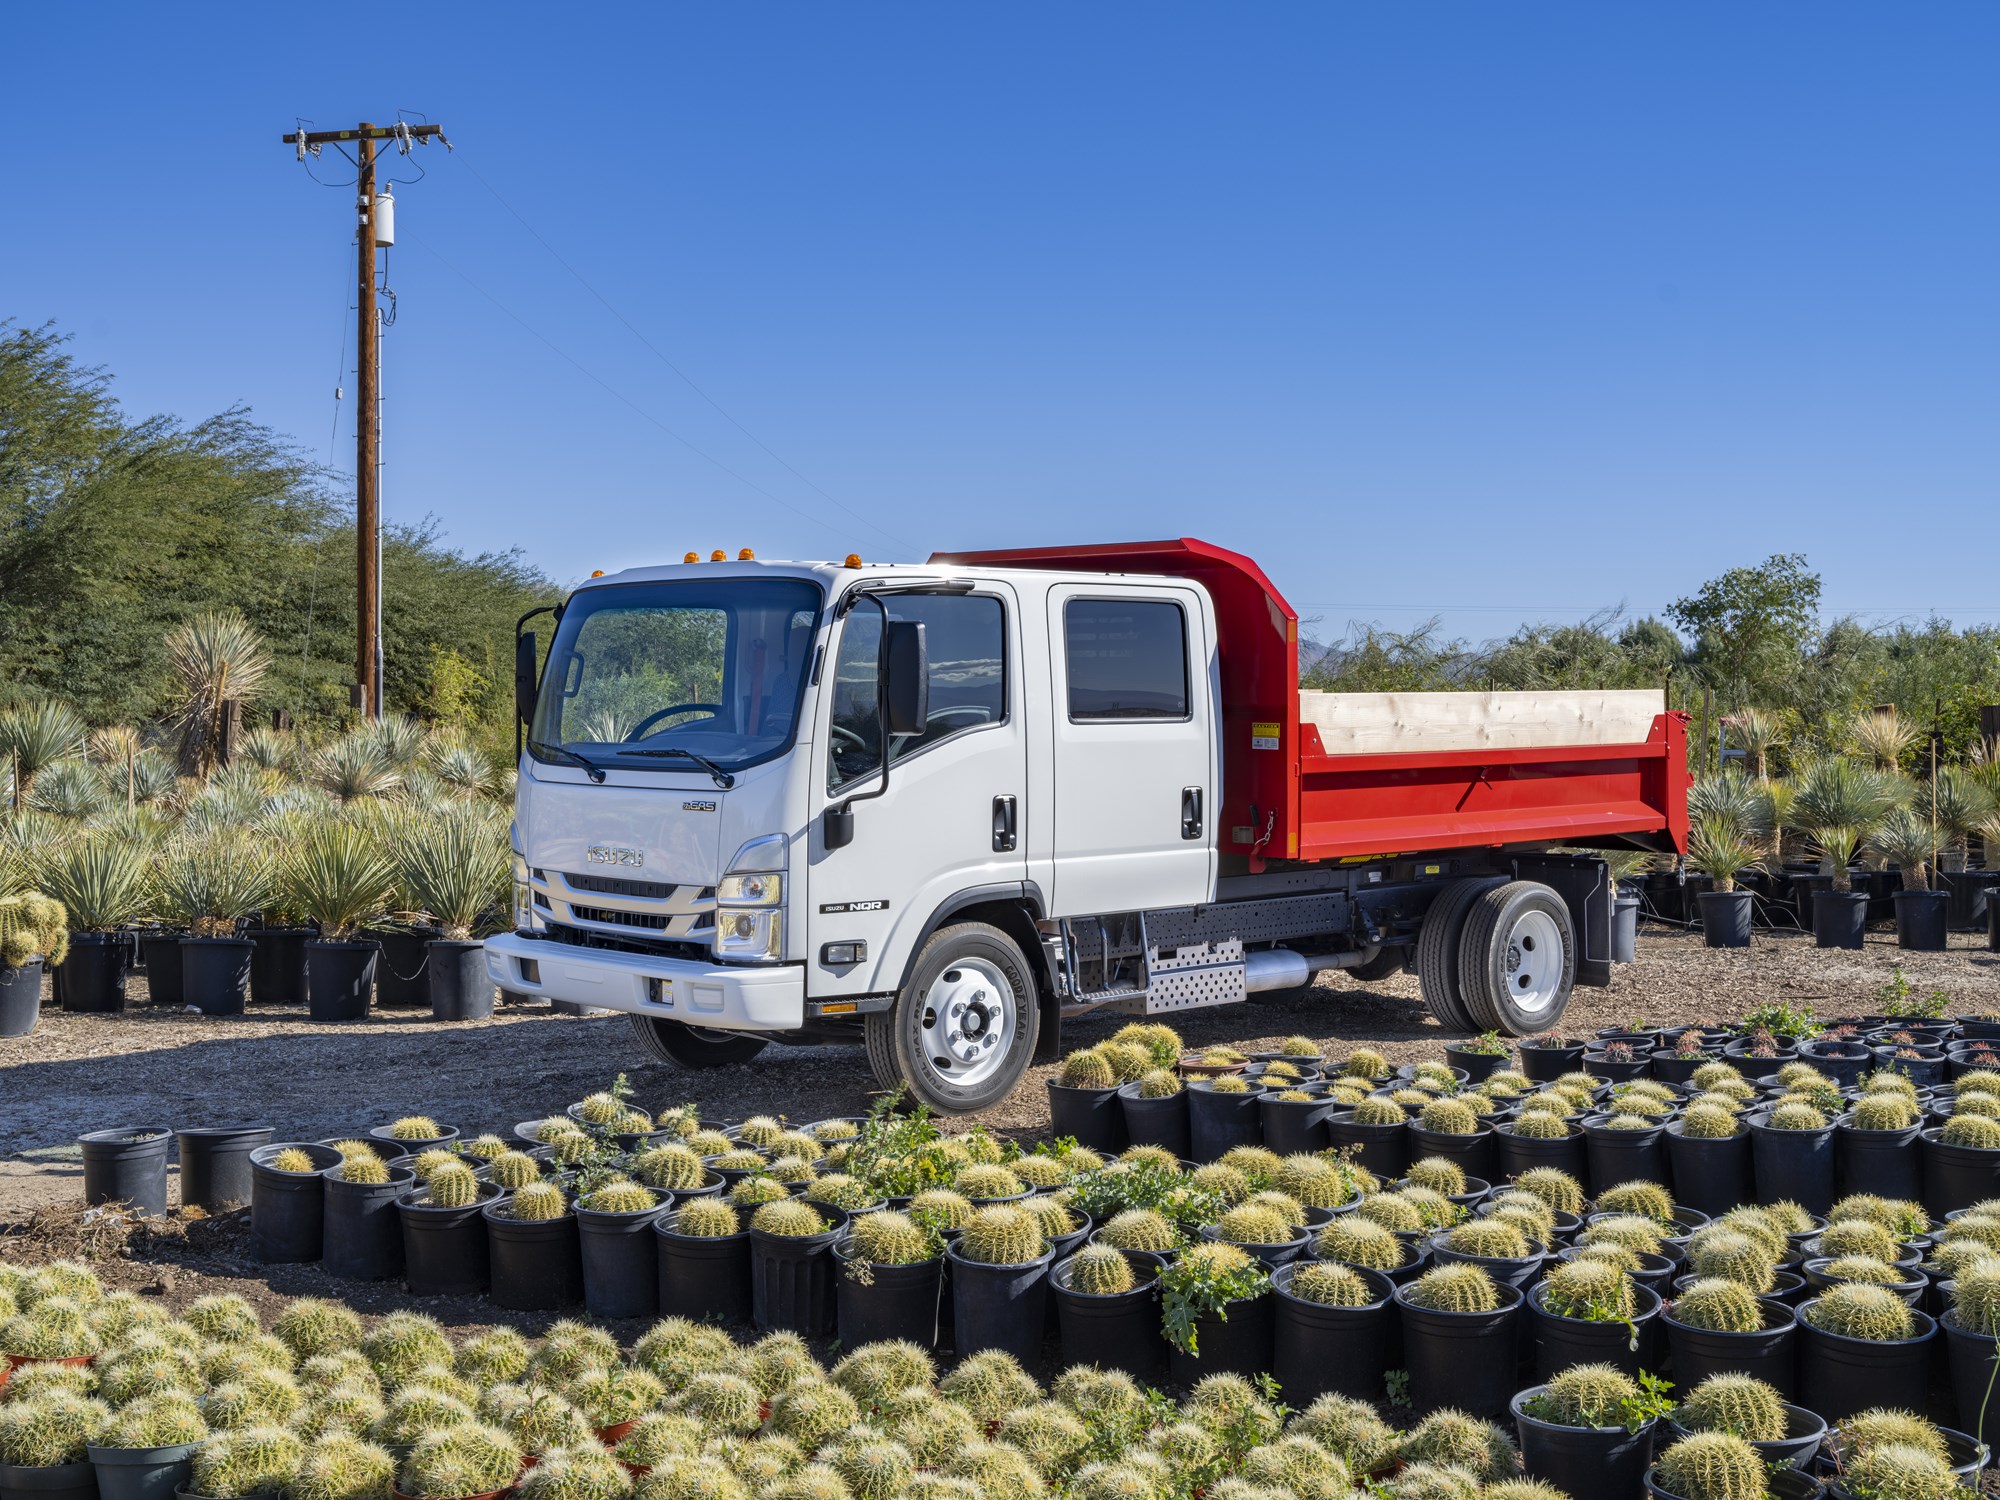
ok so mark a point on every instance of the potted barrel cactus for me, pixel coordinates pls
(1108, 1300)
(1721, 1466)
(534, 1256)
(361, 1234)
(617, 1246)
(999, 1280)
(1083, 1101)
(1331, 1329)
(336, 873)
(792, 1266)
(1458, 1339)
(341, 1466)
(44, 1444)
(444, 1230)
(1155, 1109)
(1591, 1311)
(1589, 1430)
(891, 1281)
(470, 1461)
(1961, 1163)
(1755, 1411)
(34, 935)
(1717, 1325)
(146, 1450)
(704, 1251)
(1861, 1346)
(246, 1463)
(1216, 1313)
(1972, 1338)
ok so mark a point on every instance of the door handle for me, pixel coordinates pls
(1004, 832)
(1190, 812)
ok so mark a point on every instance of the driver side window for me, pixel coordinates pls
(965, 644)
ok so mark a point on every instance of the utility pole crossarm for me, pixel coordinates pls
(365, 133)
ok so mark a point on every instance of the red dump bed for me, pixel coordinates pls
(1285, 797)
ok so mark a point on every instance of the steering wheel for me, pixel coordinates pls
(971, 712)
(638, 730)
(842, 734)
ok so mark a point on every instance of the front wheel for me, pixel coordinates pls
(963, 1030)
(695, 1046)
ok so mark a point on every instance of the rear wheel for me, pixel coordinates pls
(1517, 959)
(695, 1046)
(1437, 951)
(963, 1030)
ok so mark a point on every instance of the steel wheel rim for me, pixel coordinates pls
(966, 1025)
(1531, 962)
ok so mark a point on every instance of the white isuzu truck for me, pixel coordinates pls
(936, 808)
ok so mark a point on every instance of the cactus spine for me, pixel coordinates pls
(1858, 1310)
(1457, 1288)
(890, 1239)
(539, 1201)
(1001, 1236)
(1329, 1284)
(1712, 1466)
(1101, 1271)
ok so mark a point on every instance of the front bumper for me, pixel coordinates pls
(729, 997)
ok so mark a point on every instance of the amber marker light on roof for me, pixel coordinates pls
(746, 555)
(692, 557)
(597, 572)
(853, 560)
(718, 555)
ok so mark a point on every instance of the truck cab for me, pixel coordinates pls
(937, 807)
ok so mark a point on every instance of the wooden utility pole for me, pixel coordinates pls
(368, 409)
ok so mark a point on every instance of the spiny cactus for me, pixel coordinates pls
(1449, 1117)
(1540, 1126)
(1553, 1186)
(1857, 1237)
(1051, 1215)
(366, 1170)
(471, 1459)
(1904, 1472)
(1392, 1211)
(1862, 1268)
(1627, 1121)
(1228, 1083)
(985, 1180)
(1490, 1239)
(246, 1462)
(1719, 1305)
(1711, 1466)
(1139, 1229)
(1882, 1426)
(402, 1344)
(415, 1410)
(1858, 1310)
(1003, 1235)
(1100, 1271)
(990, 1384)
(789, 1169)
(1452, 1439)
(1976, 1298)
(1329, 1284)
(1158, 1083)
(293, 1159)
(1587, 1396)
(425, 1164)
(1376, 1110)
(452, 1187)
(941, 1208)
(1739, 1405)
(1041, 1171)
(1590, 1290)
(584, 1472)
(1363, 1063)
(164, 1420)
(742, 1159)
(1439, 1174)
(622, 1197)
(1882, 1111)
(1350, 1430)
(1975, 1132)
(1708, 1122)
(1722, 1252)
(514, 1171)
(1629, 1230)
(811, 1411)
(1357, 1242)
(1253, 1224)
(1525, 1213)
(539, 1201)
(1222, 1181)
(890, 1239)
(1954, 1260)
(53, 1328)
(51, 1428)
(1314, 1181)
(752, 1191)
(1795, 1117)
(1459, 1288)
(673, 1168)
(788, 1217)
(415, 1128)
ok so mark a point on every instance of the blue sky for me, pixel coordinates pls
(1502, 313)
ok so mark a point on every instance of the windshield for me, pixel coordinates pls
(715, 667)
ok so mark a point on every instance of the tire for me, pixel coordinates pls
(969, 972)
(1517, 959)
(695, 1046)
(1437, 951)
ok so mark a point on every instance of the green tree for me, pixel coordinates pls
(1750, 627)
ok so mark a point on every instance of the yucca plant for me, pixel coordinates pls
(354, 768)
(338, 875)
(71, 788)
(1839, 802)
(1757, 732)
(454, 868)
(1722, 848)
(1910, 840)
(1882, 736)
(461, 768)
(208, 882)
(215, 657)
(101, 882)
(34, 737)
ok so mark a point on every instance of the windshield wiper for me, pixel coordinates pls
(563, 752)
(721, 777)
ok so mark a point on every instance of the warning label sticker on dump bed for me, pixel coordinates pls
(1263, 736)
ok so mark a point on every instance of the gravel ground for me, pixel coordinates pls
(81, 1073)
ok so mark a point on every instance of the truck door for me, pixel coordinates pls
(1136, 763)
(954, 817)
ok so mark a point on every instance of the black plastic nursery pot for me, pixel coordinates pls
(91, 981)
(1925, 1071)
(1582, 1460)
(1600, 1066)
(338, 978)
(1781, 1484)
(362, 1237)
(1888, 1163)
(20, 998)
(1478, 1066)
(445, 1250)
(872, 1303)
(1669, 1068)
(56, 1482)
(621, 1262)
(1519, 1273)
(288, 1209)
(162, 952)
(1956, 1177)
(1546, 1064)
(703, 1276)
(999, 1307)
(215, 974)
(1839, 918)
(1115, 1330)
(1843, 1062)
(142, 1473)
(1769, 1354)
(215, 1164)
(1093, 1116)
(278, 966)
(1316, 1349)
(1617, 1156)
(1238, 1344)
(1725, 918)
(1383, 1149)
(791, 1279)
(1921, 920)
(1993, 918)
(1797, 1449)
(126, 1166)
(1522, 1153)
(1155, 1122)
(1291, 1126)
(1562, 1342)
(536, 1265)
(1219, 1123)
(1973, 1357)
(1794, 1164)
(401, 972)
(1840, 1376)
(456, 980)
(1462, 1360)
(1710, 1175)
(1476, 1154)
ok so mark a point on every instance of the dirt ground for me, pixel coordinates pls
(311, 1082)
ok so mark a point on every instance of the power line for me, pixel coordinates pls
(686, 378)
(612, 390)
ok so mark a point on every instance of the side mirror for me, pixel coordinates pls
(524, 676)
(906, 678)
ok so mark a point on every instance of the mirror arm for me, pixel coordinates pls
(545, 609)
(881, 702)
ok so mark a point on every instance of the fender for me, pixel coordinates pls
(1024, 895)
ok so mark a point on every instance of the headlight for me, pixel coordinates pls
(749, 934)
(525, 916)
(760, 889)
